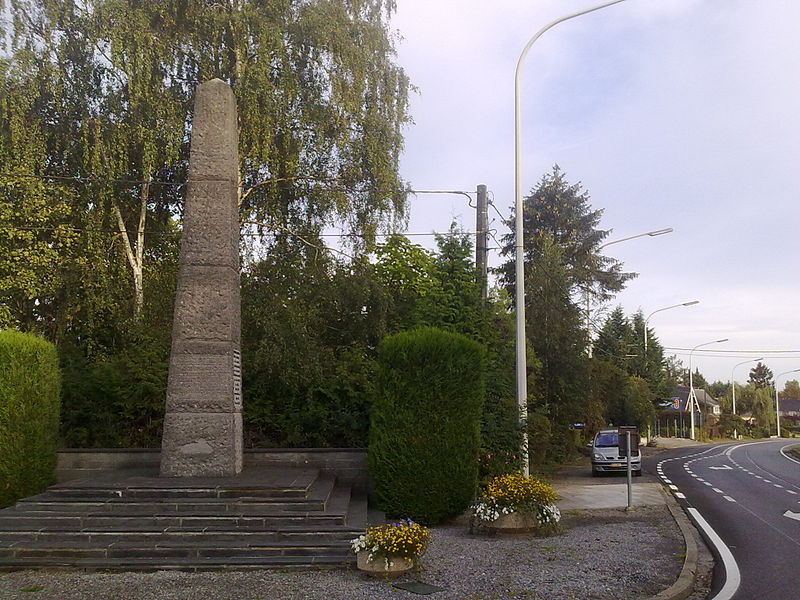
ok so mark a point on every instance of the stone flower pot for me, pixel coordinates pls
(515, 523)
(377, 566)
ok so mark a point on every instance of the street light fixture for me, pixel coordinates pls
(692, 399)
(588, 290)
(522, 383)
(692, 303)
(733, 388)
(777, 402)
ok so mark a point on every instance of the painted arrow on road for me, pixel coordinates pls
(792, 515)
(722, 468)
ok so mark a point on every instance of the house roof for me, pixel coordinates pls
(790, 405)
(681, 394)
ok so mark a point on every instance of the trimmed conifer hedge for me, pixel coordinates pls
(425, 424)
(30, 383)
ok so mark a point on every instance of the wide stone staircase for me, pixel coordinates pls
(134, 520)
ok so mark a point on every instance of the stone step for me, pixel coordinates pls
(55, 522)
(292, 484)
(177, 564)
(316, 499)
(177, 549)
(199, 535)
(146, 527)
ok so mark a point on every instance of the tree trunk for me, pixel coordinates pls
(135, 251)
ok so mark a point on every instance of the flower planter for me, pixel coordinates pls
(514, 523)
(377, 566)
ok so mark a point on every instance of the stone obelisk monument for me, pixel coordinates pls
(203, 421)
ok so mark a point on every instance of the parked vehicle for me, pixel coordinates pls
(607, 457)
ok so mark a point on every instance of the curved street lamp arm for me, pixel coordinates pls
(633, 237)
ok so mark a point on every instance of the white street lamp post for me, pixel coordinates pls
(522, 383)
(588, 289)
(777, 402)
(692, 303)
(733, 389)
(691, 399)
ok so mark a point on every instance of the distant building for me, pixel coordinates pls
(672, 415)
(790, 411)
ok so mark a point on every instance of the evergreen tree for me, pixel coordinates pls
(760, 376)
(560, 213)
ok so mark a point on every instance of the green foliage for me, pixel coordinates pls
(791, 390)
(763, 410)
(310, 329)
(116, 400)
(425, 430)
(553, 324)
(562, 262)
(761, 376)
(29, 413)
(559, 213)
(728, 423)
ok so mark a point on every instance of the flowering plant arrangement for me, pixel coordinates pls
(515, 493)
(402, 539)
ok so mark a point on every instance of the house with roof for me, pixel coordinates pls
(672, 414)
(789, 410)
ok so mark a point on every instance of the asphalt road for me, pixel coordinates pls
(749, 493)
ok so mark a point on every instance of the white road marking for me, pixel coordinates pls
(679, 495)
(673, 487)
(732, 576)
(722, 468)
(719, 491)
(792, 492)
(706, 483)
(777, 485)
(783, 451)
(729, 499)
(792, 515)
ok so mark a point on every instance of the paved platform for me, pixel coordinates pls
(610, 495)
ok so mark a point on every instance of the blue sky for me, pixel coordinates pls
(672, 113)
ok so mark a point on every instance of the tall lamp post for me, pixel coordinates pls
(522, 383)
(692, 303)
(777, 402)
(588, 290)
(733, 389)
(691, 399)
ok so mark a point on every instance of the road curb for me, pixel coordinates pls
(684, 585)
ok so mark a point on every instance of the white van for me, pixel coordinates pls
(607, 458)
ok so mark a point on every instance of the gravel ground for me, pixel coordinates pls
(600, 554)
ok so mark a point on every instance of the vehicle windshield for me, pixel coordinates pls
(606, 440)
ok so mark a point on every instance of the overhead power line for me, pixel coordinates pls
(713, 352)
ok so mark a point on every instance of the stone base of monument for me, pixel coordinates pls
(281, 518)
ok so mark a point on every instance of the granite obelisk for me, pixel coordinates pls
(203, 420)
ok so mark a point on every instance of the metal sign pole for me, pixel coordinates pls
(630, 484)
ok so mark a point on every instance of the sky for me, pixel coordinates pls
(671, 113)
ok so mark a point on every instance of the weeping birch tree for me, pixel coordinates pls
(321, 109)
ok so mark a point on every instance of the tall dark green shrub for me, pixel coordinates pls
(425, 425)
(30, 383)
